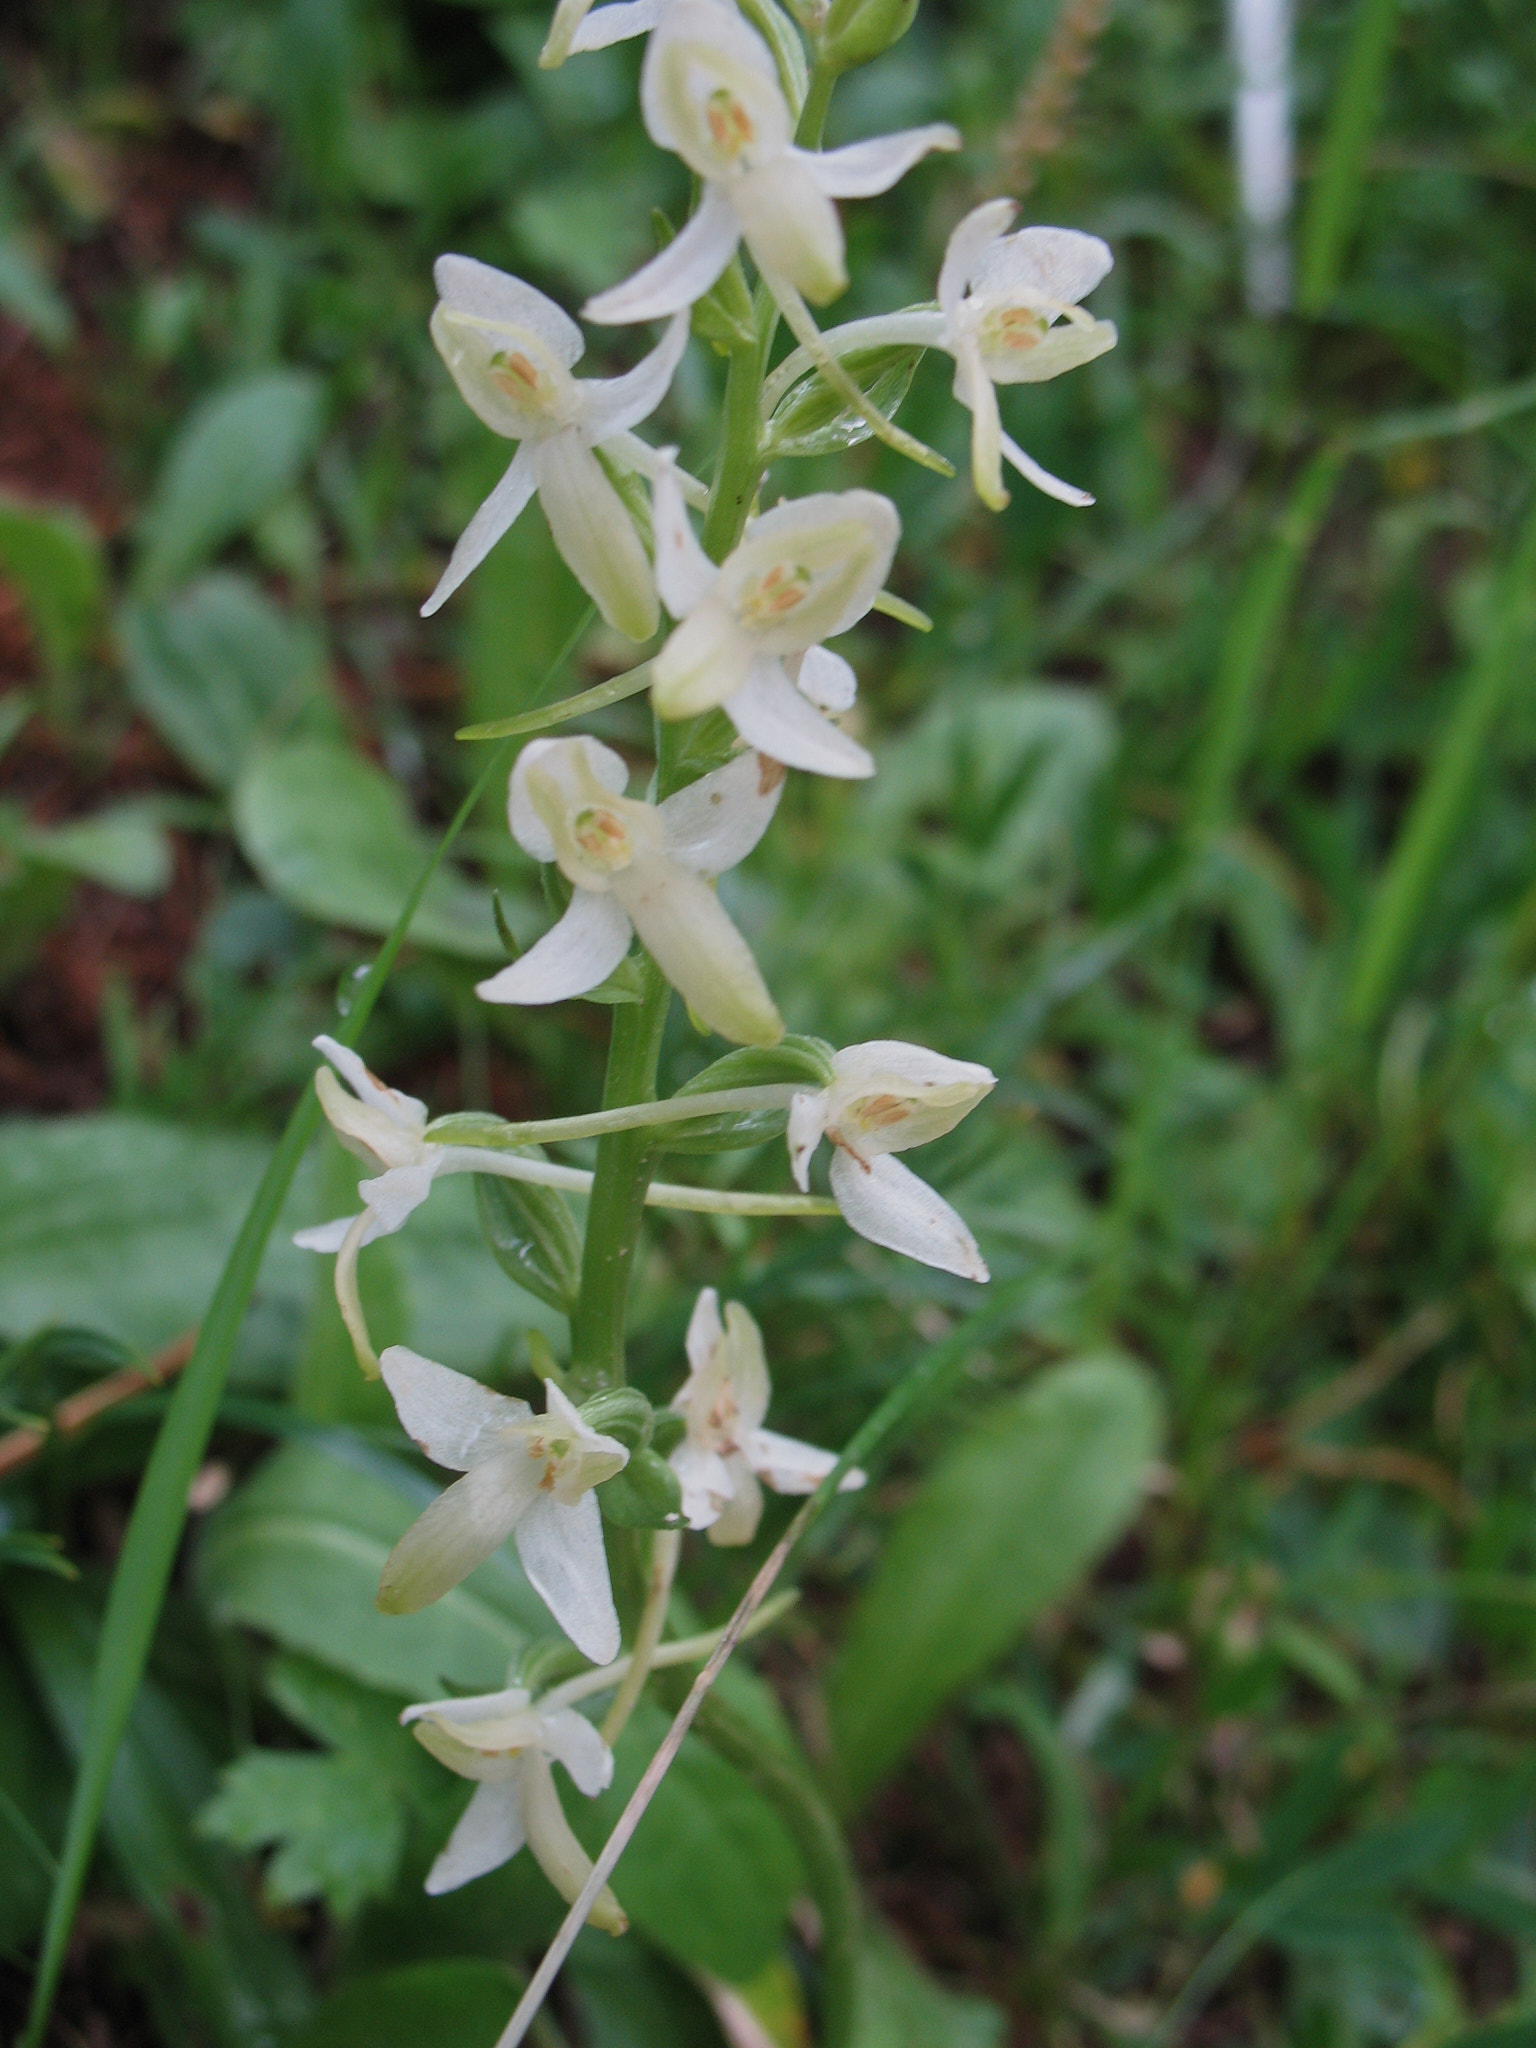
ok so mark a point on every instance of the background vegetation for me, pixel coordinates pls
(1204, 817)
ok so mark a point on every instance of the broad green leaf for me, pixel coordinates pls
(627, 1996)
(465, 2000)
(333, 835)
(336, 1825)
(901, 2006)
(237, 453)
(813, 419)
(233, 1976)
(219, 669)
(30, 296)
(794, 1061)
(711, 1872)
(297, 1551)
(51, 557)
(1007, 1522)
(123, 848)
(532, 1237)
(123, 1223)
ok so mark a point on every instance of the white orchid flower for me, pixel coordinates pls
(726, 1451)
(886, 1097)
(750, 631)
(510, 350)
(710, 92)
(646, 868)
(1001, 298)
(506, 1742)
(526, 1476)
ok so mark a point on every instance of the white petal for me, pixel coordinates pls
(502, 301)
(596, 535)
(471, 1707)
(558, 758)
(703, 1481)
(790, 1466)
(973, 387)
(807, 1125)
(687, 932)
(458, 1531)
(684, 573)
(330, 1237)
(1030, 470)
(617, 23)
(865, 168)
(681, 274)
(615, 404)
(706, 657)
(791, 226)
(827, 680)
(517, 486)
(705, 61)
(395, 1195)
(445, 1413)
(715, 822)
(823, 558)
(1056, 264)
(401, 1109)
(572, 1740)
(576, 954)
(489, 1833)
(745, 1367)
(886, 1202)
(567, 1566)
(705, 1330)
(967, 245)
(1062, 348)
(771, 715)
(740, 1514)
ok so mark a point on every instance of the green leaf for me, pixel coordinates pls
(337, 1828)
(123, 848)
(30, 296)
(34, 1790)
(51, 556)
(297, 1551)
(813, 419)
(532, 1236)
(806, 1062)
(710, 1873)
(464, 2000)
(333, 835)
(238, 452)
(231, 1970)
(1006, 1523)
(901, 2006)
(33, 1551)
(219, 669)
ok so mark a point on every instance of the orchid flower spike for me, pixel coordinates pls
(750, 631)
(710, 92)
(726, 1451)
(507, 1742)
(646, 868)
(510, 351)
(886, 1097)
(526, 1476)
(1000, 296)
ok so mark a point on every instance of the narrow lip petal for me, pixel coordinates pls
(684, 573)
(494, 518)
(973, 388)
(573, 956)
(792, 226)
(863, 169)
(806, 1128)
(772, 715)
(714, 823)
(466, 285)
(445, 1413)
(1060, 264)
(742, 1509)
(523, 820)
(562, 1552)
(1030, 470)
(689, 934)
(967, 245)
(615, 404)
(457, 1532)
(886, 1203)
(595, 534)
(681, 274)
(489, 1833)
(400, 1108)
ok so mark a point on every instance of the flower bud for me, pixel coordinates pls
(858, 30)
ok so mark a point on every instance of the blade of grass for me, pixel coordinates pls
(1333, 204)
(160, 1510)
(1414, 867)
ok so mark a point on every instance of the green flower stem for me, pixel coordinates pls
(738, 467)
(618, 1192)
(823, 1851)
(818, 98)
(160, 1511)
